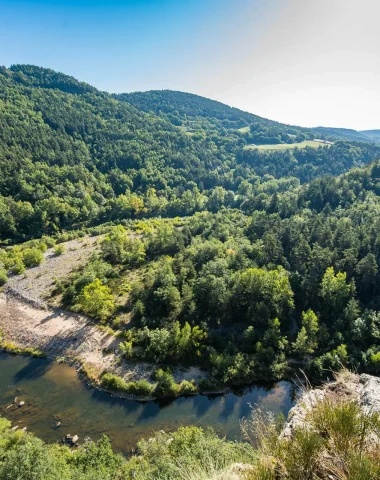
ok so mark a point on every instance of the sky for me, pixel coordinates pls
(302, 62)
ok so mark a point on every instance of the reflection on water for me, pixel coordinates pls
(52, 392)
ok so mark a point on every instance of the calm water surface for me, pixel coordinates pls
(52, 392)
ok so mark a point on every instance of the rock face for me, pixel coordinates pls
(370, 393)
(363, 388)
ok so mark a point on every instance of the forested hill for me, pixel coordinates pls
(73, 156)
(194, 114)
(349, 134)
(181, 104)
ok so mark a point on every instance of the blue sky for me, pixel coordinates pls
(301, 62)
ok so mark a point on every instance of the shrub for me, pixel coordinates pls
(49, 241)
(3, 276)
(187, 388)
(166, 386)
(114, 382)
(126, 349)
(209, 385)
(59, 249)
(32, 257)
(96, 300)
(375, 362)
(42, 246)
(142, 388)
(18, 266)
(116, 323)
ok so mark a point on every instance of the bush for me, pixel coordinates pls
(116, 323)
(3, 276)
(166, 386)
(126, 349)
(18, 266)
(96, 300)
(209, 385)
(114, 382)
(187, 388)
(59, 249)
(32, 257)
(374, 362)
(42, 246)
(49, 241)
(142, 388)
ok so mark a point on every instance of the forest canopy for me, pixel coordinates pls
(72, 156)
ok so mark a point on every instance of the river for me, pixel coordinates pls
(53, 393)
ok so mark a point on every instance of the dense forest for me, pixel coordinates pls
(291, 275)
(274, 257)
(74, 157)
(248, 263)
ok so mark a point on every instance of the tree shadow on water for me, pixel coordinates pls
(203, 403)
(150, 410)
(229, 403)
(35, 368)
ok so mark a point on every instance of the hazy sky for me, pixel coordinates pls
(304, 62)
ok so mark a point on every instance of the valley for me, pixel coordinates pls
(182, 258)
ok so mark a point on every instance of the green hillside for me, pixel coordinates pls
(374, 135)
(194, 114)
(242, 263)
(347, 134)
(72, 156)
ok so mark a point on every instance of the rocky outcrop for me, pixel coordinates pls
(363, 388)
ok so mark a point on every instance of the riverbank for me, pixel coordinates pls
(331, 429)
(74, 339)
(54, 393)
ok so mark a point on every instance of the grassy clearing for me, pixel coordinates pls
(287, 146)
(243, 130)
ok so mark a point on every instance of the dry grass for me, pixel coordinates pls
(338, 440)
(288, 146)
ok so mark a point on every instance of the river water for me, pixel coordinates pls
(53, 393)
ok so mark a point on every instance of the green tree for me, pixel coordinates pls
(335, 291)
(96, 300)
(166, 386)
(311, 326)
(118, 248)
(260, 295)
(302, 344)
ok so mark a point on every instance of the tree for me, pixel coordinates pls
(335, 291)
(260, 295)
(118, 248)
(311, 325)
(96, 300)
(166, 386)
(302, 344)
(32, 460)
(367, 270)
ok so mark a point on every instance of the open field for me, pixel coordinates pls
(287, 146)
